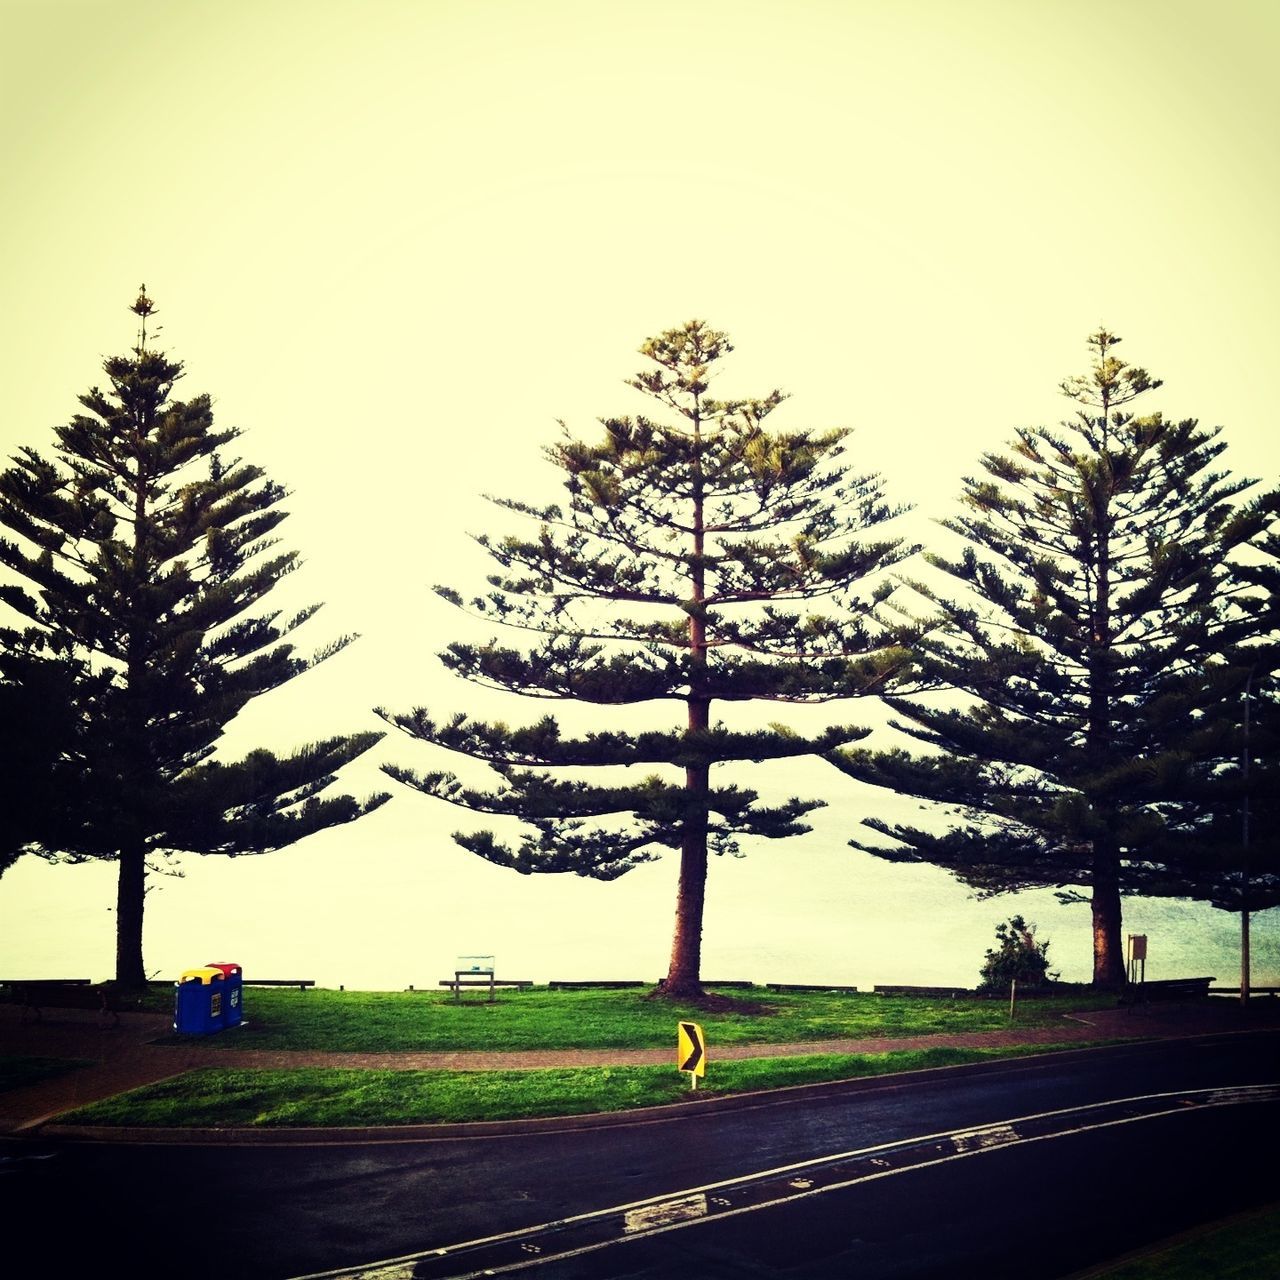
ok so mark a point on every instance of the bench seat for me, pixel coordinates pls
(457, 982)
(1167, 989)
(38, 994)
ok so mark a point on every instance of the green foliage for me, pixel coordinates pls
(1221, 838)
(142, 553)
(1016, 957)
(697, 559)
(46, 709)
(1109, 576)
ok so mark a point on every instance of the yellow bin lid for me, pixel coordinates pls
(203, 975)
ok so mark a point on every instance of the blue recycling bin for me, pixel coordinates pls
(198, 1002)
(232, 1004)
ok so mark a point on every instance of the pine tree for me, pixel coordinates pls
(1245, 775)
(1221, 842)
(1104, 560)
(142, 552)
(682, 567)
(40, 728)
(1250, 881)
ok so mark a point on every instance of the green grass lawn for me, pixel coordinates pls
(19, 1072)
(213, 1098)
(537, 1018)
(1246, 1248)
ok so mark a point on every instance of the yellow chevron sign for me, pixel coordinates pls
(691, 1049)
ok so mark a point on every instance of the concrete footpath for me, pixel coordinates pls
(127, 1057)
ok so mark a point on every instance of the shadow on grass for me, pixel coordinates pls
(20, 1072)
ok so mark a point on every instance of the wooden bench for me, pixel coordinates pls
(618, 984)
(301, 983)
(607, 985)
(932, 993)
(809, 986)
(457, 982)
(1167, 989)
(35, 995)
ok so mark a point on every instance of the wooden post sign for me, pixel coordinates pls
(1137, 957)
(691, 1051)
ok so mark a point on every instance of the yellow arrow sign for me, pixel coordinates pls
(691, 1048)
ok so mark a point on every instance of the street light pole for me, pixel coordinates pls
(1244, 842)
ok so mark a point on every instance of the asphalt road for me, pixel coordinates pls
(1029, 1167)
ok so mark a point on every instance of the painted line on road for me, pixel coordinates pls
(682, 1209)
(771, 1188)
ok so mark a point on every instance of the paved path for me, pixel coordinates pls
(124, 1057)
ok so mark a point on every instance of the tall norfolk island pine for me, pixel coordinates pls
(681, 568)
(143, 551)
(1109, 555)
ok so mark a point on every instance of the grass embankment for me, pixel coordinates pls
(538, 1019)
(1245, 1248)
(336, 1097)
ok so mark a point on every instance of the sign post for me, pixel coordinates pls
(691, 1051)
(1137, 958)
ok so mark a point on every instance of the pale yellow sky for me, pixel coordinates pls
(397, 241)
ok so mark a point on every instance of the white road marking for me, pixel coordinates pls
(978, 1139)
(650, 1216)
(1229, 1095)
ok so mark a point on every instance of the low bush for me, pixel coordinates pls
(1017, 956)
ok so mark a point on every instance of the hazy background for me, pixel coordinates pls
(398, 241)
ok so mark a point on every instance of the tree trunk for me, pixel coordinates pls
(684, 976)
(1108, 946)
(130, 894)
(1108, 949)
(131, 887)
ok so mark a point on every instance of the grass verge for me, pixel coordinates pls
(1243, 1249)
(18, 1072)
(398, 1022)
(329, 1097)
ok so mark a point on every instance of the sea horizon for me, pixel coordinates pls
(382, 905)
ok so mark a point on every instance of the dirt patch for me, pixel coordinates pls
(715, 1003)
(731, 1004)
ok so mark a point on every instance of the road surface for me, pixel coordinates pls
(1039, 1166)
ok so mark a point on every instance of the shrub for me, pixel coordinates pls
(1016, 955)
